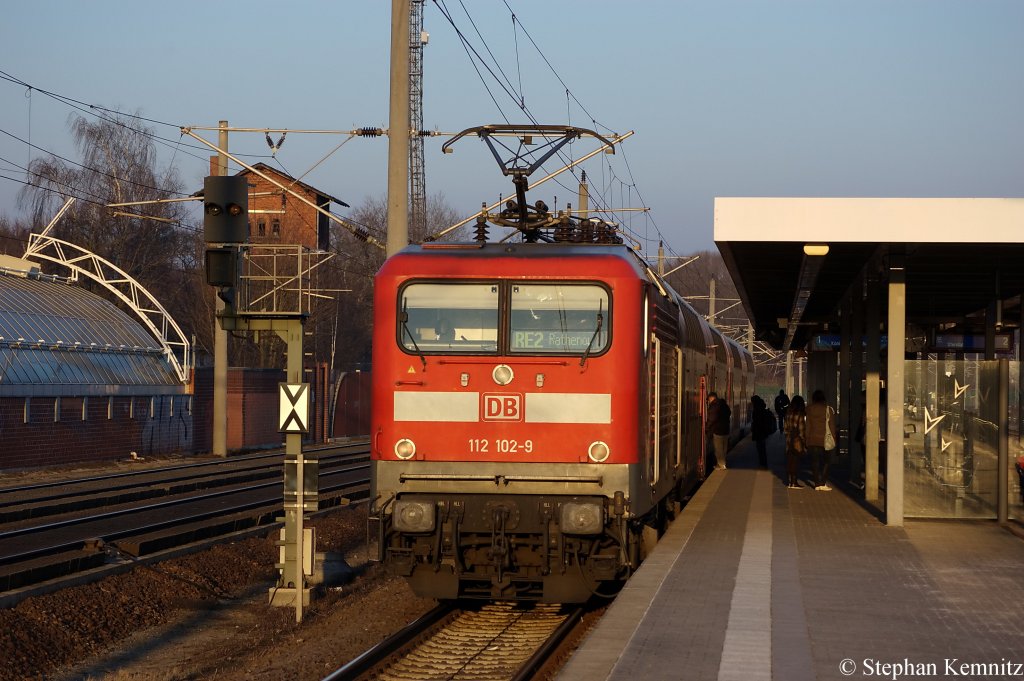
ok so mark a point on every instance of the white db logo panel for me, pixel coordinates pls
(502, 407)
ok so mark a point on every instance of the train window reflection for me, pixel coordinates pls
(440, 318)
(558, 319)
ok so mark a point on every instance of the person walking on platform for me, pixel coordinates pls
(718, 417)
(781, 403)
(794, 428)
(762, 424)
(821, 438)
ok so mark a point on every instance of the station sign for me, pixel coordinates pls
(971, 342)
(833, 341)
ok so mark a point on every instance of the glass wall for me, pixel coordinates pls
(951, 439)
(1016, 458)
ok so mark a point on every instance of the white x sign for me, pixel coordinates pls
(294, 413)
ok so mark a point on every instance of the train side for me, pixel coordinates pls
(537, 413)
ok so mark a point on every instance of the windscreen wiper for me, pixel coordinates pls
(404, 318)
(597, 330)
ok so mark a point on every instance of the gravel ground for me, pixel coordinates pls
(206, 616)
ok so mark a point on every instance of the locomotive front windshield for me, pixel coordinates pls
(457, 318)
(467, 318)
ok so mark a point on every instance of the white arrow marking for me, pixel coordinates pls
(959, 390)
(929, 421)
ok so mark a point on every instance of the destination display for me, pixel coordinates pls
(556, 341)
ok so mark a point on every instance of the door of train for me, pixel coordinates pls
(702, 455)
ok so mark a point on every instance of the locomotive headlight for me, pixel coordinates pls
(598, 452)
(405, 448)
(581, 518)
(414, 516)
(502, 374)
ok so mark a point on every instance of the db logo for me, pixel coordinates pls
(502, 407)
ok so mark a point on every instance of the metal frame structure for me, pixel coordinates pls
(276, 280)
(417, 169)
(130, 292)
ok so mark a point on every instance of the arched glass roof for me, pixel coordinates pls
(53, 334)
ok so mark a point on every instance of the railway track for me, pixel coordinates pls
(68, 495)
(497, 641)
(53, 530)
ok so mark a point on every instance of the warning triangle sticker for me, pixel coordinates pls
(411, 370)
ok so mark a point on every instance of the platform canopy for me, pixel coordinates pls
(793, 260)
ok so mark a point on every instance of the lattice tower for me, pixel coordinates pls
(417, 171)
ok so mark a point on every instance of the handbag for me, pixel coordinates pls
(830, 442)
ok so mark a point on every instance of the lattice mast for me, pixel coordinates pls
(417, 171)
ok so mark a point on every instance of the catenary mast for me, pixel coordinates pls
(417, 171)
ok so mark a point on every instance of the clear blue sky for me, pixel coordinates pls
(727, 98)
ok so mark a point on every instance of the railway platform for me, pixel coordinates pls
(757, 581)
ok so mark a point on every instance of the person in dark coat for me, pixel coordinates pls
(718, 418)
(761, 426)
(795, 429)
(781, 404)
(820, 418)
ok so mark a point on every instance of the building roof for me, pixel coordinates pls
(61, 339)
(264, 168)
(959, 256)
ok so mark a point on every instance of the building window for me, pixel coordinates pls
(275, 226)
(152, 407)
(110, 407)
(261, 227)
(28, 409)
(85, 408)
(56, 409)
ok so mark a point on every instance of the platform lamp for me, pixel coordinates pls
(225, 227)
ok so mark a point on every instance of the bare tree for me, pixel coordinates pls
(13, 236)
(154, 243)
(354, 267)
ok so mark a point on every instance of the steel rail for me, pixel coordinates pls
(371, 663)
(159, 469)
(161, 486)
(539, 658)
(389, 646)
(272, 505)
(68, 522)
(86, 499)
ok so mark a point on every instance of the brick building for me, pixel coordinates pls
(275, 217)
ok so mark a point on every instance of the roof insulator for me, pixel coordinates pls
(481, 228)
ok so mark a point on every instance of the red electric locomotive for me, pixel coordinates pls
(537, 411)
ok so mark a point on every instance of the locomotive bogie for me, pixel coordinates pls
(536, 547)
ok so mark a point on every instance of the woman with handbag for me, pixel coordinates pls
(821, 438)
